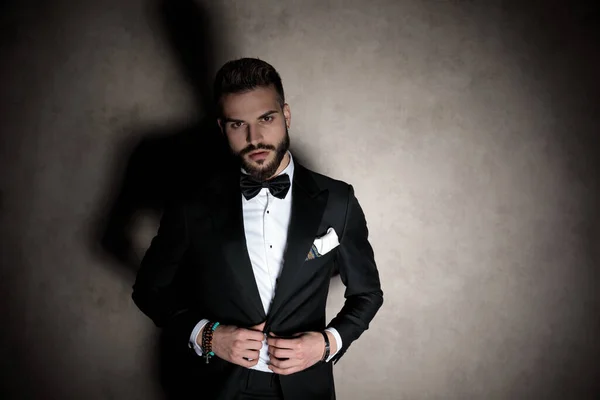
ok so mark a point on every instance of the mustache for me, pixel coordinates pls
(260, 146)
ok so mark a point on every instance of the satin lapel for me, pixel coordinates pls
(229, 221)
(308, 205)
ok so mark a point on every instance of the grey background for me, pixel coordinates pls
(469, 130)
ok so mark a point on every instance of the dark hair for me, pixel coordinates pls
(243, 75)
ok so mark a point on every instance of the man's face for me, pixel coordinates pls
(257, 130)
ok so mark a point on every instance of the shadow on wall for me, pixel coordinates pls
(167, 163)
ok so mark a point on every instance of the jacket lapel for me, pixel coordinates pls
(308, 205)
(229, 222)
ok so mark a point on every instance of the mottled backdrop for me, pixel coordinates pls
(469, 130)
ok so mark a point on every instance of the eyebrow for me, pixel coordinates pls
(260, 117)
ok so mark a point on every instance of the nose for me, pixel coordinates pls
(253, 134)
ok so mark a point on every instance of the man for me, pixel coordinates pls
(260, 245)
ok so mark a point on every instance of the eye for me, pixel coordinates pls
(268, 118)
(235, 125)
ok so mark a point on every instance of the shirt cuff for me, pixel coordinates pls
(193, 344)
(338, 341)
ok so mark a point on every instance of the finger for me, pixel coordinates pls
(252, 345)
(250, 354)
(284, 371)
(281, 353)
(246, 363)
(251, 334)
(277, 342)
(284, 364)
(282, 343)
(272, 342)
(242, 343)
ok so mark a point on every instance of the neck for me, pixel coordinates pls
(282, 165)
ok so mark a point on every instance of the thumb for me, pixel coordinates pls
(259, 327)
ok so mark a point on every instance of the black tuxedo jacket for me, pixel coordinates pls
(197, 266)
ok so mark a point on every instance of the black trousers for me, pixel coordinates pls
(258, 385)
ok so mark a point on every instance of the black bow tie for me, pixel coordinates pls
(278, 186)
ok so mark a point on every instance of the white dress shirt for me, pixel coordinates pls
(266, 221)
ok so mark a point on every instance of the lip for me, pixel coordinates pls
(257, 155)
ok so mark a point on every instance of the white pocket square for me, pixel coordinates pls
(323, 244)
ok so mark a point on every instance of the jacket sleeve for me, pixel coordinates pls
(358, 271)
(157, 288)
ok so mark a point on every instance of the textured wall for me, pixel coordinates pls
(468, 129)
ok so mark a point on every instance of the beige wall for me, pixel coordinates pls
(468, 130)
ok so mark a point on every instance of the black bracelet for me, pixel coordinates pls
(327, 347)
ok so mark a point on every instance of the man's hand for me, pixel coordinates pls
(293, 355)
(239, 346)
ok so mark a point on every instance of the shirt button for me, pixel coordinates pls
(271, 246)
(267, 211)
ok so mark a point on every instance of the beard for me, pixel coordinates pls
(268, 169)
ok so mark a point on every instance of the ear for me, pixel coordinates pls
(287, 113)
(220, 124)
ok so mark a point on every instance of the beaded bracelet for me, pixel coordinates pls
(207, 336)
(327, 347)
